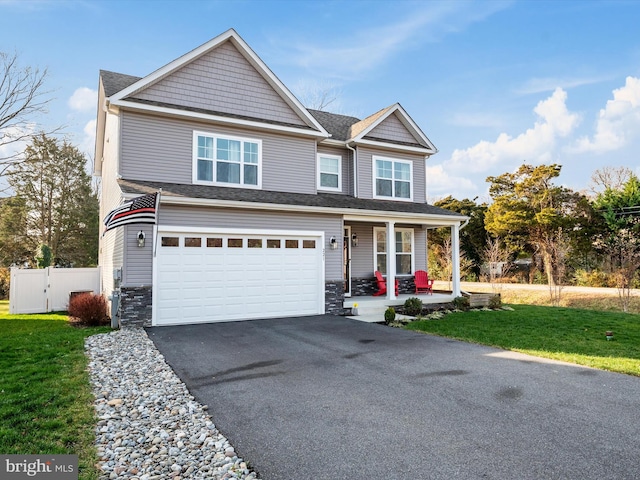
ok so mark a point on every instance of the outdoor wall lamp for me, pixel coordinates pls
(354, 240)
(141, 237)
(333, 243)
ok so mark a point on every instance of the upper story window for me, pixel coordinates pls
(329, 172)
(393, 178)
(225, 160)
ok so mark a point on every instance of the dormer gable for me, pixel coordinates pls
(391, 126)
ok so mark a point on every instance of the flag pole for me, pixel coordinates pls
(155, 227)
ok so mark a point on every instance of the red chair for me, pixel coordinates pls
(382, 285)
(423, 284)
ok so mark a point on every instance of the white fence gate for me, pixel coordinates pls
(48, 289)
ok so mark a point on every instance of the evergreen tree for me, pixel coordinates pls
(62, 208)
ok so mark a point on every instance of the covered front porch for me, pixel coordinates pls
(371, 309)
(396, 247)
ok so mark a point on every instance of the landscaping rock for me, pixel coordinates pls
(152, 427)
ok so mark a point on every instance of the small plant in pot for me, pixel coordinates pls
(389, 315)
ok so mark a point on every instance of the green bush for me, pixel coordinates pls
(389, 315)
(412, 306)
(89, 309)
(461, 303)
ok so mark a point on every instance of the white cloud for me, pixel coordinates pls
(83, 100)
(536, 144)
(549, 84)
(367, 48)
(440, 183)
(89, 140)
(618, 123)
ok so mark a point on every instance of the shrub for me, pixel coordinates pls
(89, 309)
(5, 279)
(461, 303)
(412, 306)
(495, 302)
(389, 315)
(594, 278)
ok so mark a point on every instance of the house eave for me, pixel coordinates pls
(433, 220)
(393, 146)
(172, 112)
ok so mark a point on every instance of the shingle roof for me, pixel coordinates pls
(320, 200)
(338, 126)
(114, 82)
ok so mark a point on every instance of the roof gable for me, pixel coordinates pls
(223, 76)
(391, 125)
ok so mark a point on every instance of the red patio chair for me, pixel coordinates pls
(423, 284)
(382, 285)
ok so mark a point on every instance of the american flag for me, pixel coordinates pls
(138, 210)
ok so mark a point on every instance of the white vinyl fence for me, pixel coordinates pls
(48, 289)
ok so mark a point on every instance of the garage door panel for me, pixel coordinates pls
(219, 283)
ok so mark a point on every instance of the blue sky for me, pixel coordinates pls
(493, 84)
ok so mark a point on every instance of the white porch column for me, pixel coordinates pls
(391, 261)
(455, 259)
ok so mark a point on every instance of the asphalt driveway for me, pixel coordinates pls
(331, 398)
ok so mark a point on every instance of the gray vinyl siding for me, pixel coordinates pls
(160, 149)
(347, 166)
(362, 256)
(139, 260)
(222, 81)
(365, 171)
(391, 128)
(111, 244)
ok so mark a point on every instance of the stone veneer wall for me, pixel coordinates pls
(135, 306)
(368, 286)
(334, 297)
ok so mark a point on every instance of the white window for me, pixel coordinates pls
(224, 160)
(404, 250)
(393, 178)
(329, 172)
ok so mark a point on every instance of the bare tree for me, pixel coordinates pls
(22, 98)
(496, 257)
(609, 178)
(558, 246)
(318, 95)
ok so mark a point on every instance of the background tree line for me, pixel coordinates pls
(536, 231)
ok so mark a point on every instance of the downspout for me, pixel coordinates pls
(355, 170)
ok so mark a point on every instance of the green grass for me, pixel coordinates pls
(567, 334)
(4, 307)
(46, 403)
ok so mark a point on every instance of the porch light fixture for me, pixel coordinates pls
(333, 243)
(354, 240)
(141, 237)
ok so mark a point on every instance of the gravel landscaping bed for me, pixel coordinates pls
(149, 426)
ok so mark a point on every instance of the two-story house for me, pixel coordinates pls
(268, 209)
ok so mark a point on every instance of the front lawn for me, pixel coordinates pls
(46, 403)
(566, 334)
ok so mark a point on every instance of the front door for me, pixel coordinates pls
(346, 261)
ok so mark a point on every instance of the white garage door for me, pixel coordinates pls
(219, 277)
